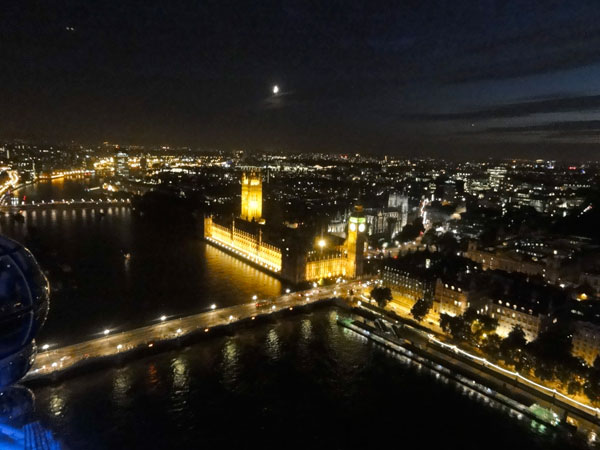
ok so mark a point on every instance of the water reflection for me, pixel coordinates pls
(306, 330)
(230, 368)
(181, 376)
(57, 403)
(152, 377)
(122, 386)
(273, 344)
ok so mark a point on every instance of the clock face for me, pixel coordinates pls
(352, 227)
(361, 227)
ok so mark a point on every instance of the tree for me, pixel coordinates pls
(515, 339)
(445, 322)
(411, 231)
(429, 238)
(447, 243)
(574, 388)
(420, 309)
(382, 295)
(479, 327)
(591, 388)
(512, 348)
(456, 326)
(552, 357)
(491, 346)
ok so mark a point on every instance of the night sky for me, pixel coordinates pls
(443, 78)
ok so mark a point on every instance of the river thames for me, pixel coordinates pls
(301, 381)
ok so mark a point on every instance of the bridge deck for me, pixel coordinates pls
(63, 358)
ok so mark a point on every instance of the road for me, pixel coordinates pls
(58, 359)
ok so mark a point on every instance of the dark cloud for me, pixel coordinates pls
(576, 126)
(521, 109)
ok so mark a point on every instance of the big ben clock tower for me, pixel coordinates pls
(355, 242)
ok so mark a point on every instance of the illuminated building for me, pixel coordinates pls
(450, 298)
(280, 250)
(251, 197)
(586, 341)
(442, 280)
(121, 164)
(496, 176)
(512, 262)
(511, 315)
(355, 242)
(410, 279)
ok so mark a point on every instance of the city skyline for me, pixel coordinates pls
(445, 79)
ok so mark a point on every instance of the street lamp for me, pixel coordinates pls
(163, 318)
(287, 291)
(254, 297)
(213, 306)
(45, 347)
(106, 332)
(321, 243)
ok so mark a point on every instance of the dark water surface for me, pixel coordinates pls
(299, 382)
(94, 286)
(303, 382)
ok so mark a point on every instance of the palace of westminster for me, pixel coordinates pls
(283, 250)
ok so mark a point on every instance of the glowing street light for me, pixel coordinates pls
(45, 347)
(106, 332)
(213, 306)
(119, 347)
(287, 291)
(163, 318)
(254, 297)
(275, 90)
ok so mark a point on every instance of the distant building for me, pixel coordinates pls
(451, 297)
(518, 300)
(121, 164)
(418, 276)
(586, 341)
(496, 176)
(510, 315)
(283, 250)
(510, 261)
(583, 319)
(400, 203)
(251, 197)
(143, 165)
(385, 222)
